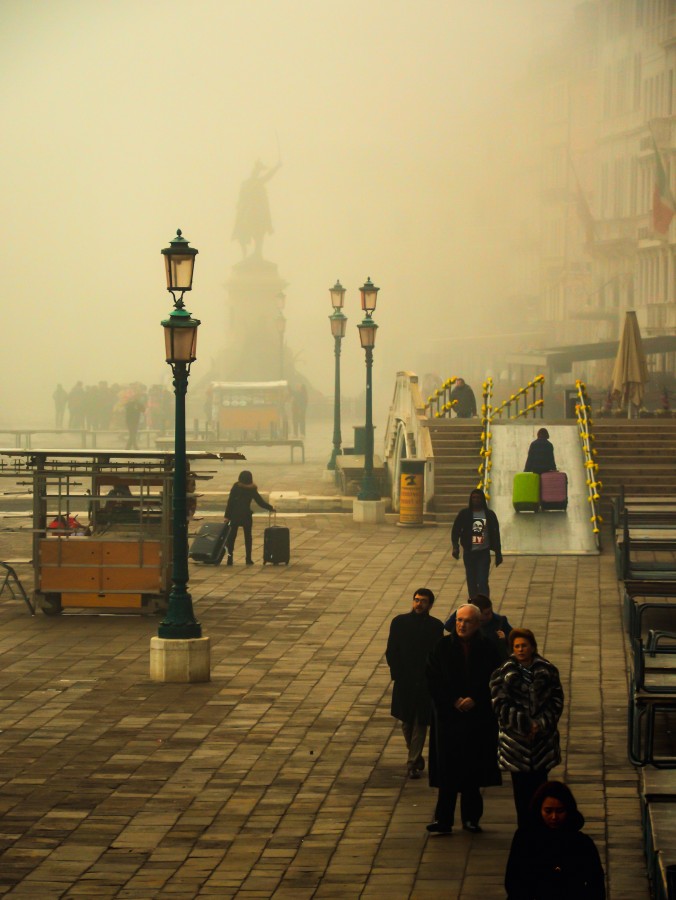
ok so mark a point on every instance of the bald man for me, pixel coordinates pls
(463, 748)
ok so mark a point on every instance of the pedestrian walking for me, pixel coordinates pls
(412, 636)
(60, 397)
(494, 627)
(540, 454)
(477, 529)
(238, 513)
(465, 407)
(133, 410)
(464, 733)
(551, 858)
(528, 701)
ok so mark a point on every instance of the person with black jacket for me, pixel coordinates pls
(551, 858)
(541, 454)
(476, 528)
(412, 636)
(238, 513)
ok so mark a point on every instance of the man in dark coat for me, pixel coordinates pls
(412, 637)
(465, 408)
(464, 735)
(476, 528)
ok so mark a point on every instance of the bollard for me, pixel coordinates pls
(411, 491)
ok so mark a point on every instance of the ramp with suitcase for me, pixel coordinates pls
(563, 528)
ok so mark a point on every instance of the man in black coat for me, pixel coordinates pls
(464, 735)
(412, 637)
(477, 530)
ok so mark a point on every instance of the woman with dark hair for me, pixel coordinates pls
(551, 858)
(238, 513)
(527, 701)
(541, 454)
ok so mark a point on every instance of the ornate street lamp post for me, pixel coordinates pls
(180, 336)
(367, 335)
(338, 325)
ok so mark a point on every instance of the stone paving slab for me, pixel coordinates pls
(284, 776)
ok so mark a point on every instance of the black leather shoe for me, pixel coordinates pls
(413, 773)
(474, 827)
(249, 562)
(420, 764)
(229, 562)
(439, 828)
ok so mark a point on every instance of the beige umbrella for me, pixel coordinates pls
(630, 372)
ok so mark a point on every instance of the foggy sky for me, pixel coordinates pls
(124, 121)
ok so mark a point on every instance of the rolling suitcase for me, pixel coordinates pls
(553, 490)
(209, 544)
(526, 492)
(276, 544)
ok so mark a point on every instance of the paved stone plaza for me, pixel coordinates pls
(284, 776)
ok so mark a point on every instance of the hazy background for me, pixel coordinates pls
(125, 120)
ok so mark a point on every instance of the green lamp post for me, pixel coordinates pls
(338, 325)
(367, 335)
(180, 336)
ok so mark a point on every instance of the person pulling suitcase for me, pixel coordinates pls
(238, 513)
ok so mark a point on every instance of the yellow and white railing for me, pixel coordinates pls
(584, 425)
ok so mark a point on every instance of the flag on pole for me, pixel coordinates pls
(664, 205)
(586, 217)
(583, 208)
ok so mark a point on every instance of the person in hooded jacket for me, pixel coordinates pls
(476, 528)
(540, 454)
(551, 858)
(238, 513)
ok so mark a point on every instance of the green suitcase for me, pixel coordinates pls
(526, 492)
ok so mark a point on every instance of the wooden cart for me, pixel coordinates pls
(102, 525)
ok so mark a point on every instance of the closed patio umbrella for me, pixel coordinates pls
(630, 372)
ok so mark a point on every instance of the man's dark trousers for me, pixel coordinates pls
(477, 566)
(471, 805)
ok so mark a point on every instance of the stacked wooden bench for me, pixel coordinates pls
(645, 540)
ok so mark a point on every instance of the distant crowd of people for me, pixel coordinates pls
(106, 406)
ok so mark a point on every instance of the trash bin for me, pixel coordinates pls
(411, 491)
(360, 438)
(571, 399)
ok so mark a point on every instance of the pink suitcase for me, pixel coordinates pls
(553, 490)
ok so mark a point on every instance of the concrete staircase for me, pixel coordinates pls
(637, 453)
(456, 444)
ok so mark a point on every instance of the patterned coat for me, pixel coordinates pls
(518, 703)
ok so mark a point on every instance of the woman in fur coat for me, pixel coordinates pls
(528, 701)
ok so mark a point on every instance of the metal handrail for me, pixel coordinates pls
(486, 450)
(439, 404)
(537, 387)
(594, 485)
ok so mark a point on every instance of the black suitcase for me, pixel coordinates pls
(209, 544)
(276, 544)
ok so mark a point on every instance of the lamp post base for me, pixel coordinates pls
(372, 511)
(180, 661)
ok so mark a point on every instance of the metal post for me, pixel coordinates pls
(337, 438)
(179, 622)
(368, 489)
